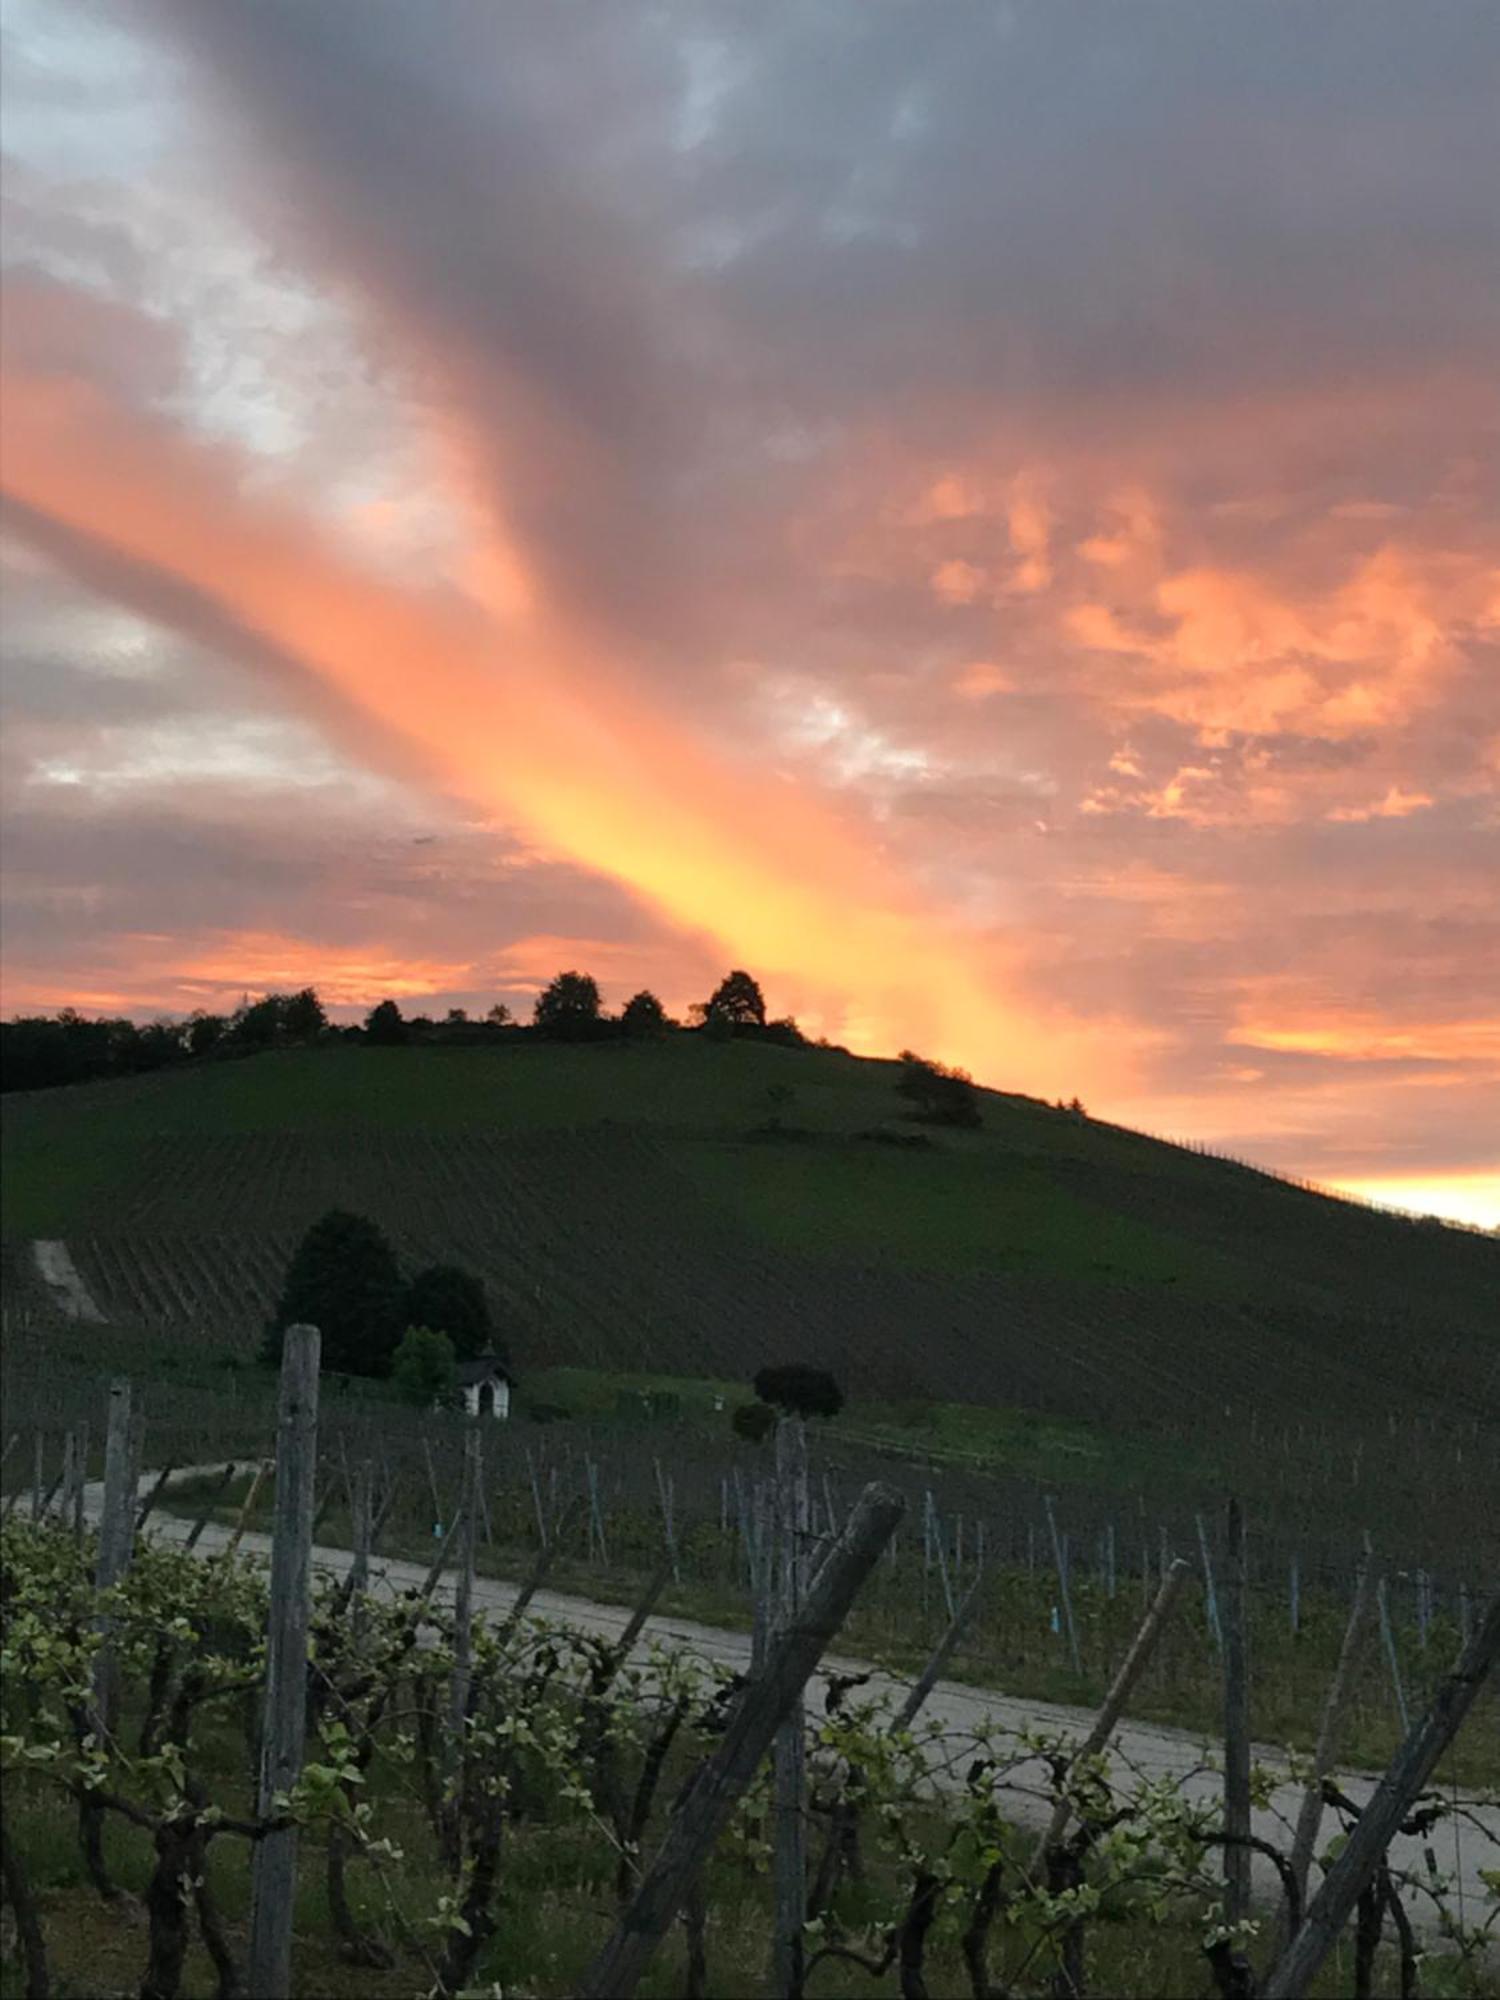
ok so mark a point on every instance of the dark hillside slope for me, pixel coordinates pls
(629, 1209)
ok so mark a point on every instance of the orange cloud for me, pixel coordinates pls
(1363, 1035)
(1395, 805)
(1227, 650)
(519, 713)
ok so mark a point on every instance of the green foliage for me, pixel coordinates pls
(453, 1301)
(344, 1280)
(568, 1764)
(423, 1371)
(753, 1421)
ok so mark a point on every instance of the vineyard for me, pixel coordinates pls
(604, 1250)
(515, 1851)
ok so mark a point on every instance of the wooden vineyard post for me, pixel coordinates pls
(1211, 1596)
(722, 1780)
(463, 1641)
(760, 1575)
(362, 1507)
(257, 1481)
(81, 1463)
(137, 1460)
(1059, 1555)
(1388, 1640)
(789, 1762)
(114, 1539)
(1236, 1723)
(202, 1521)
(69, 1479)
(463, 1589)
(273, 1878)
(153, 1496)
(1410, 1769)
(941, 1654)
(1131, 1668)
(668, 1519)
(1310, 1815)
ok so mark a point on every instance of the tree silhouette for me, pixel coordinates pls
(800, 1390)
(738, 1000)
(302, 1016)
(205, 1032)
(384, 1025)
(452, 1301)
(644, 1017)
(568, 1009)
(344, 1280)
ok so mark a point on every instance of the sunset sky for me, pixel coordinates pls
(986, 515)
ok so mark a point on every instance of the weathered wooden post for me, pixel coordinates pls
(1211, 1597)
(115, 1525)
(761, 1538)
(722, 1780)
(225, 1479)
(941, 1653)
(362, 1508)
(668, 1519)
(1131, 1669)
(463, 1589)
(1388, 1640)
(1310, 1815)
(252, 1495)
(789, 1763)
(80, 1511)
(1236, 1722)
(1410, 1769)
(1060, 1557)
(463, 1645)
(158, 1488)
(273, 1879)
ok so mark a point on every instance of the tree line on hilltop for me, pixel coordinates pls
(40, 1050)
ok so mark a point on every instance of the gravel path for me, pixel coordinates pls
(61, 1276)
(1460, 1850)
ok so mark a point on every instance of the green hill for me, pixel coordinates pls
(669, 1207)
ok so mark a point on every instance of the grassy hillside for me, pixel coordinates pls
(630, 1210)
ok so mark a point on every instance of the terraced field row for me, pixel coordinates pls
(600, 1250)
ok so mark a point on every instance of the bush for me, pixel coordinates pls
(800, 1391)
(452, 1301)
(753, 1421)
(942, 1096)
(424, 1371)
